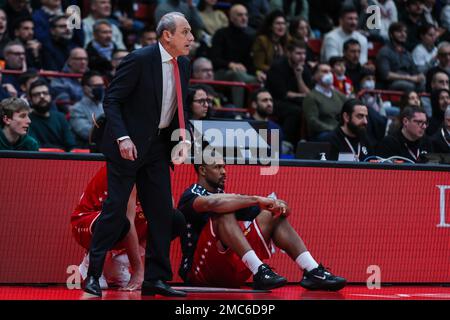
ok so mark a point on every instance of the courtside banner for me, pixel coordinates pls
(367, 224)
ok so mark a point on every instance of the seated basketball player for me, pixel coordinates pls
(126, 254)
(228, 235)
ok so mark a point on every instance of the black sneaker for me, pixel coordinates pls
(266, 279)
(322, 279)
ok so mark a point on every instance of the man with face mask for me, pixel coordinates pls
(89, 107)
(50, 128)
(322, 105)
(56, 50)
(350, 136)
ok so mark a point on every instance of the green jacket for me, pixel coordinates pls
(25, 143)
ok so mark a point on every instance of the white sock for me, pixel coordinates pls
(306, 262)
(251, 260)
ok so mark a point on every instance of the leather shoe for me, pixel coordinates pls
(150, 288)
(92, 286)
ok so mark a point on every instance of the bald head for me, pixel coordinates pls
(239, 16)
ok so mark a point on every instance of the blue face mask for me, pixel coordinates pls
(98, 92)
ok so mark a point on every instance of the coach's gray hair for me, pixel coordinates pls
(168, 22)
(447, 112)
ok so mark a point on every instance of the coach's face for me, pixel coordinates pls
(180, 41)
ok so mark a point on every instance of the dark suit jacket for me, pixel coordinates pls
(133, 102)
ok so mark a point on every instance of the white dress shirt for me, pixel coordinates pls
(333, 44)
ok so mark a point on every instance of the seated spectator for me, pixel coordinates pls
(101, 48)
(300, 30)
(340, 81)
(262, 105)
(395, 66)
(353, 68)
(410, 141)
(25, 80)
(70, 89)
(409, 99)
(42, 16)
(198, 103)
(270, 44)
(441, 139)
(213, 19)
(15, 121)
(4, 36)
(333, 42)
(443, 56)
(24, 32)
(257, 10)
(430, 14)
(440, 99)
(117, 57)
(425, 53)
(101, 10)
(15, 10)
(231, 53)
(202, 69)
(351, 135)
(440, 80)
(123, 13)
(289, 80)
(413, 20)
(57, 48)
(14, 53)
(369, 99)
(50, 128)
(148, 36)
(322, 105)
(88, 108)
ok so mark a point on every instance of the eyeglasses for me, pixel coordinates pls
(420, 123)
(43, 93)
(203, 101)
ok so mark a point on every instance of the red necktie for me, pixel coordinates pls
(176, 73)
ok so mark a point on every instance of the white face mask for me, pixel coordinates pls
(327, 79)
(368, 84)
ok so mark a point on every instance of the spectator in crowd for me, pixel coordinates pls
(270, 44)
(289, 80)
(7, 90)
(117, 57)
(213, 19)
(25, 80)
(353, 68)
(395, 65)
(369, 99)
(440, 80)
(24, 32)
(340, 81)
(443, 56)
(56, 49)
(295, 8)
(351, 135)
(41, 17)
(101, 10)
(187, 8)
(410, 141)
(430, 14)
(14, 53)
(88, 108)
(147, 37)
(322, 15)
(4, 36)
(198, 103)
(425, 53)
(50, 128)
(70, 89)
(202, 69)
(101, 48)
(257, 10)
(231, 53)
(410, 98)
(445, 16)
(333, 42)
(15, 121)
(220, 251)
(300, 30)
(123, 12)
(262, 105)
(440, 99)
(322, 105)
(441, 139)
(15, 10)
(413, 20)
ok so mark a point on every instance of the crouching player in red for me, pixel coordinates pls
(227, 235)
(127, 253)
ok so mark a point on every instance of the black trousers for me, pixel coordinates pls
(151, 173)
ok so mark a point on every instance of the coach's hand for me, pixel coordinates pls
(128, 149)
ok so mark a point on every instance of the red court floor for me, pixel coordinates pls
(289, 292)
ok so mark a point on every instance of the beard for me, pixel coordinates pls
(358, 131)
(42, 109)
(262, 112)
(216, 184)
